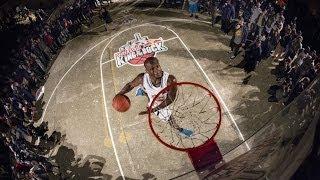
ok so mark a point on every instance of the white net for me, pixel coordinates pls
(194, 108)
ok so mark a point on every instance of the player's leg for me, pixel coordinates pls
(173, 123)
(182, 131)
(165, 115)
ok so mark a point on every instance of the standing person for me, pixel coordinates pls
(283, 42)
(239, 38)
(105, 15)
(252, 56)
(193, 8)
(227, 15)
(49, 41)
(239, 7)
(261, 21)
(247, 11)
(271, 20)
(298, 89)
(256, 11)
(213, 7)
(151, 83)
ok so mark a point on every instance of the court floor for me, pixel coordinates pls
(142, 146)
(83, 82)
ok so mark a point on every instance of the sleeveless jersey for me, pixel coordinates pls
(152, 91)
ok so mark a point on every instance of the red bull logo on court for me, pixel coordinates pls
(136, 51)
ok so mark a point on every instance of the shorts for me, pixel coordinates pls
(164, 114)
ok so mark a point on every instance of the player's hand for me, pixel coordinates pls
(120, 93)
(143, 112)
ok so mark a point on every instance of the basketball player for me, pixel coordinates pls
(151, 83)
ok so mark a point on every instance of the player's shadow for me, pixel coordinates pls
(71, 167)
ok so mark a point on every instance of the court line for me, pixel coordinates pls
(55, 88)
(103, 24)
(204, 74)
(96, 27)
(67, 72)
(170, 39)
(106, 112)
(104, 97)
(120, 118)
(48, 102)
(45, 109)
(107, 61)
(214, 88)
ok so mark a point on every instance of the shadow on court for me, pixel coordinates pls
(89, 167)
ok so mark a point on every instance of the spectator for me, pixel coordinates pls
(213, 7)
(227, 15)
(247, 12)
(283, 42)
(239, 38)
(252, 56)
(18, 112)
(302, 84)
(193, 8)
(48, 39)
(256, 11)
(106, 17)
(261, 21)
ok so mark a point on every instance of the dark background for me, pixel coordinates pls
(308, 20)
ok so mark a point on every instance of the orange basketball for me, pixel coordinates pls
(121, 103)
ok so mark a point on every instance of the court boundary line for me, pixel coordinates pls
(67, 72)
(106, 111)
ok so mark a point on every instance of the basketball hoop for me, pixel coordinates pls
(195, 107)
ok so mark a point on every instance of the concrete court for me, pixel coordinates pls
(84, 79)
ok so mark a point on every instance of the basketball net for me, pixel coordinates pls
(195, 108)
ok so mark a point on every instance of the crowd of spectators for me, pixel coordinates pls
(39, 40)
(263, 30)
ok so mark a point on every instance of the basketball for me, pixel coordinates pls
(121, 103)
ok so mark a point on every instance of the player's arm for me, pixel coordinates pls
(134, 83)
(171, 96)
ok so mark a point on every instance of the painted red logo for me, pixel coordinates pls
(136, 51)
